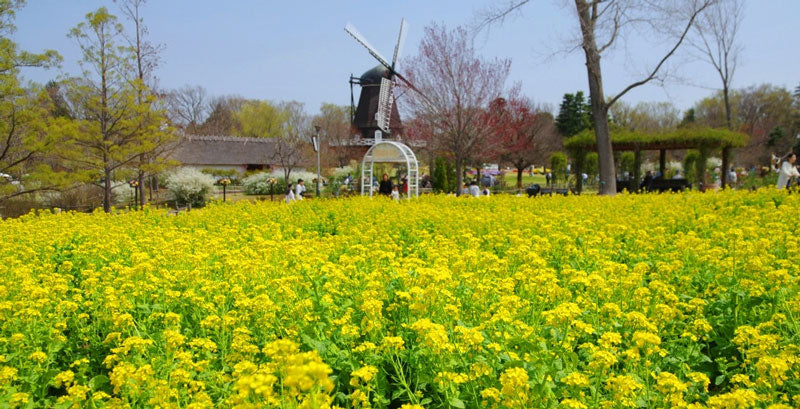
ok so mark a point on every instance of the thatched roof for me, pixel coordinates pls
(224, 150)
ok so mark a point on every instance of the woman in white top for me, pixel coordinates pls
(299, 190)
(787, 171)
(290, 194)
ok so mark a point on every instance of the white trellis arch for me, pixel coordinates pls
(390, 152)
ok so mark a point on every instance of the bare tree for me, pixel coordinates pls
(716, 31)
(602, 24)
(334, 122)
(293, 143)
(222, 116)
(455, 88)
(187, 107)
(716, 40)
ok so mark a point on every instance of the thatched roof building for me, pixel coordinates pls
(225, 152)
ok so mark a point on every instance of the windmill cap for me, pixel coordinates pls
(374, 75)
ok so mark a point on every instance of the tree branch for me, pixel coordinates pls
(666, 57)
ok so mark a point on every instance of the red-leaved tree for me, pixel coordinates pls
(517, 131)
(454, 89)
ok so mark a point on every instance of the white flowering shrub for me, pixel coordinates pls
(259, 184)
(341, 173)
(189, 186)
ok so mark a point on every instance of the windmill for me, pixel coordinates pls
(376, 109)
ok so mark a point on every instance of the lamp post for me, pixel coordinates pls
(315, 142)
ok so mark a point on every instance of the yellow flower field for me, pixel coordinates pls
(687, 301)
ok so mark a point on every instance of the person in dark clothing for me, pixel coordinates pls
(647, 183)
(385, 188)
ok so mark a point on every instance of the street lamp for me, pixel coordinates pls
(315, 141)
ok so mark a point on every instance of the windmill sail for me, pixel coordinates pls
(401, 39)
(385, 100)
(363, 41)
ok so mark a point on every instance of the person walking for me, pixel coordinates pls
(787, 171)
(299, 190)
(290, 194)
(385, 188)
(474, 190)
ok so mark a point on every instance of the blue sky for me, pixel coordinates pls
(298, 50)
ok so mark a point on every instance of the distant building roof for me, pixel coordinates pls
(224, 150)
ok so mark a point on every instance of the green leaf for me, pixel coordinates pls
(457, 403)
(100, 383)
(719, 380)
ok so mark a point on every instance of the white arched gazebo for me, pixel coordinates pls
(390, 152)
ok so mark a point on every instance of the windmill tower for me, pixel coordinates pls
(376, 114)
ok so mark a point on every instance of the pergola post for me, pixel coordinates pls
(637, 169)
(662, 162)
(723, 177)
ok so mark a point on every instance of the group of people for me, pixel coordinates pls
(295, 192)
(472, 189)
(386, 187)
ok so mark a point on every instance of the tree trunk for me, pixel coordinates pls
(637, 170)
(723, 177)
(519, 177)
(579, 160)
(107, 190)
(142, 195)
(725, 95)
(459, 176)
(605, 152)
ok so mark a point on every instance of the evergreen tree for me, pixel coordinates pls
(574, 114)
(440, 183)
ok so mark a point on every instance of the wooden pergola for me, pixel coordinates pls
(700, 138)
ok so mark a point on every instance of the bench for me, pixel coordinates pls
(663, 185)
(536, 190)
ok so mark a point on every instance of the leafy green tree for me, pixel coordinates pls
(117, 118)
(775, 135)
(28, 132)
(591, 164)
(440, 179)
(689, 118)
(573, 115)
(261, 119)
(558, 165)
(285, 122)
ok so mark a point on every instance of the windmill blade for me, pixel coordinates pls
(427, 100)
(385, 99)
(363, 41)
(401, 39)
(409, 84)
